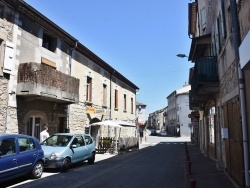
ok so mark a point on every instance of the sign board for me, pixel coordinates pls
(224, 133)
(87, 130)
(92, 110)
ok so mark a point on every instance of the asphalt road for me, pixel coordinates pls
(160, 164)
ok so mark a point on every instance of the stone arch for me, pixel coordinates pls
(210, 103)
(94, 120)
(36, 113)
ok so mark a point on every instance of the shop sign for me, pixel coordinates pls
(92, 110)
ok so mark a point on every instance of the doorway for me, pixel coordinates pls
(34, 127)
(62, 124)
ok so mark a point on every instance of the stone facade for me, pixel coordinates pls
(3, 102)
(229, 81)
(221, 122)
(47, 78)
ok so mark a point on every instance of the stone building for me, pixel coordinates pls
(156, 120)
(48, 77)
(177, 112)
(219, 32)
(141, 113)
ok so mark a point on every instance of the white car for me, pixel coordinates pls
(163, 133)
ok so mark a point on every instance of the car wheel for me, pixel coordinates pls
(92, 159)
(65, 165)
(37, 170)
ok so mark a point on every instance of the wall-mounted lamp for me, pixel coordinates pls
(12, 93)
(181, 55)
(54, 106)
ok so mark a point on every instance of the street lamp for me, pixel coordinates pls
(181, 55)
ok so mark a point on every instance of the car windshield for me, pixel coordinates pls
(57, 141)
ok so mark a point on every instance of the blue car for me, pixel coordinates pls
(63, 149)
(20, 155)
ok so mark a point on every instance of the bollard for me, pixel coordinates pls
(188, 158)
(192, 183)
(188, 168)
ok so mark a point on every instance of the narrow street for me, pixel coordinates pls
(160, 162)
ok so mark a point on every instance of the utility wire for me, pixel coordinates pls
(157, 73)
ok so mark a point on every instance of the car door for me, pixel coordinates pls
(28, 153)
(8, 159)
(89, 144)
(79, 149)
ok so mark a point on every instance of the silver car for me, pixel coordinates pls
(63, 149)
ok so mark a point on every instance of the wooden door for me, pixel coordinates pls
(233, 146)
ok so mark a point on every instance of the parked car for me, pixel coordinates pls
(20, 155)
(63, 149)
(153, 132)
(163, 133)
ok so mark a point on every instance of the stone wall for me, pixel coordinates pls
(3, 102)
(78, 119)
(12, 125)
(228, 83)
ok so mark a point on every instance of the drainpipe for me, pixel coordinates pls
(6, 113)
(110, 80)
(70, 62)
(235, 30)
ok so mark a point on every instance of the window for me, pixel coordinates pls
(116, 99)
(26, 144)
(132, 105)
(125, 103)
(88, 140)
(222, 20)
(34, 127)
(213, 46)
(89, 89)
(104, 95)
(49, 42)
(211, 125)
(7, 147)
(78, 141)
(217, 36)
(203, 18)
(139, 109)
(229, 22)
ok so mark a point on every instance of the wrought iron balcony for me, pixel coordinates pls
(39, 81)
(204, 81)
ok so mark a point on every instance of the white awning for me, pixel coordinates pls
(106, 123)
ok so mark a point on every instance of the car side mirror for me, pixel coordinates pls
(73, 146)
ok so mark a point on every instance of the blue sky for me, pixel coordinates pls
(138, 38)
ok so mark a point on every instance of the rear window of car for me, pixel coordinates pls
(26, 144)
(88, 140)
(7, 147)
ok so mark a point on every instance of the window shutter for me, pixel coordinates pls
(203, 18)
(9, 58)
(116, 99)
(222, 19)
(217, 37)
(213, 44)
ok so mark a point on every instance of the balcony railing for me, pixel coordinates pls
(40, 79)
(205, 71)
(204, 81)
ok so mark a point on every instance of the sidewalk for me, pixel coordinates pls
(204, 172)
(100, 157)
